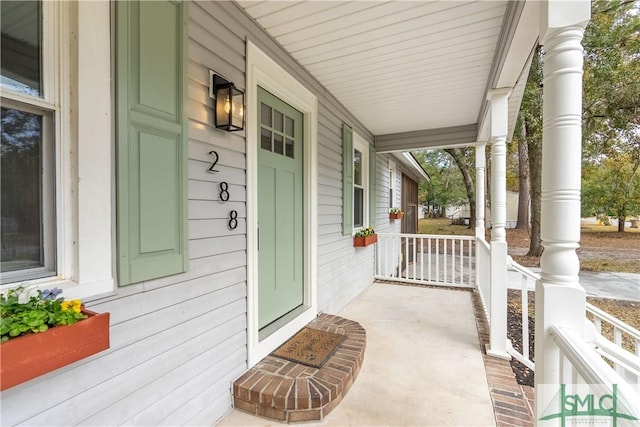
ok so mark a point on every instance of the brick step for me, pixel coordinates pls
(287, 391)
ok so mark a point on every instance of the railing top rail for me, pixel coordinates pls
(428, 236)
(511, 264)
(591, 367)
(613, 320)
(483, 242)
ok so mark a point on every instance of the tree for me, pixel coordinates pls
(523, 182)
(465, 160)
(528, 133)
(611, 106)
(445, 187)
(613, 187)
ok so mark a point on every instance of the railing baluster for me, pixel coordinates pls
(472, 256)
(406, 257)
(429, 263)
(384, 253)
(415, 261)
(437, 260)
(422, 258)
(525, 317)
(461, 262)
(453, 261)
(617, 336)
(444, 267)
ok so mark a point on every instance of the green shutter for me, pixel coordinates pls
(151, 139)
(372, 186)
(347, 180)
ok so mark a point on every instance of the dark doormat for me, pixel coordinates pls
(310, 347)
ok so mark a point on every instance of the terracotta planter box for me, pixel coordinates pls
(32, 355)
(365, 241)
(396, 215)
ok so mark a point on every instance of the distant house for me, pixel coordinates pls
(456, 212)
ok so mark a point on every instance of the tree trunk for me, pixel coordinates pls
(535, 174)
(458, 156)
(622, 216)
(523, 182)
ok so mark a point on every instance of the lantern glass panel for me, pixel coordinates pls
(223, 106)
(237, 109)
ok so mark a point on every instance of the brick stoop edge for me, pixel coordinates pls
(512, 402)
(287, 391)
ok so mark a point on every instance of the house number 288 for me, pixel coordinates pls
(224, 192)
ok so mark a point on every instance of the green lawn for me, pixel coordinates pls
(443, 226)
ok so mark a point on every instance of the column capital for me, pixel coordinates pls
(496, 94)
(499, 108)
(559, 14)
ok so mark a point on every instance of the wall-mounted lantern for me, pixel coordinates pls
(229, 103)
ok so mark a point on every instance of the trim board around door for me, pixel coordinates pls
(264, 72)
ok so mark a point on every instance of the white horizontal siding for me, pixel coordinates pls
(177, 342)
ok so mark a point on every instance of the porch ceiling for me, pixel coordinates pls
(404, 68)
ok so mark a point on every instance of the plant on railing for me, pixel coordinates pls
(28, 310)
(365, 237)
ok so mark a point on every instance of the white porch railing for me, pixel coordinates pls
(483, 275)
(465, 261)
(623, 360)
(527, 281)
(428, 259)
(581, 363)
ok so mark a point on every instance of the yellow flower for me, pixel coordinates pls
(74, 305)
(77, 305)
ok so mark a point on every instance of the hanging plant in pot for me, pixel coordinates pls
(365, 237)
(41, 332)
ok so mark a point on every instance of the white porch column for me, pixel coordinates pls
(560, 299)
(481, 165)
(499, 100)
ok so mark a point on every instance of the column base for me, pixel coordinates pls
(498, 354)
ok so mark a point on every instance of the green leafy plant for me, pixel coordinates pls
(28, 310)
(365, 232)
(396, 211)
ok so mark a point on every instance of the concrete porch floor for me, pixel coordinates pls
(423, 365)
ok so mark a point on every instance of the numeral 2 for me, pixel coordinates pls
(215, 161)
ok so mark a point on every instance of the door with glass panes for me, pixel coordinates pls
(280, 209)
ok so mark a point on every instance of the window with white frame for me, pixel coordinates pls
(56, 149)
(393, 178)
(360, 182)
(27, 153)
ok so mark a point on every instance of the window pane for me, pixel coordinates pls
(21, 163)
(21, 46)
(357, 167)
(265, 114)
(358, 207)
(289, 148)
(288, 128)
(265, 139)
(278, 144)
(277, 120)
